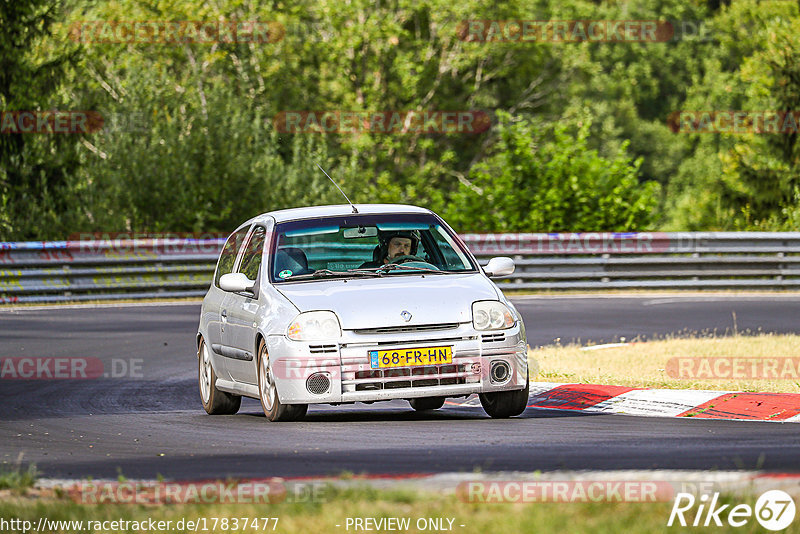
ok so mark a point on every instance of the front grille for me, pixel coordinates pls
(428, 341)
(406, 329)
(322, 349)
(493, 338)
(406, 377)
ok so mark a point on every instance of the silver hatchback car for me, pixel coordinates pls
(364, 303)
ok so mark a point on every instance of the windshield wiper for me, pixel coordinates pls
(400, 267)
(324, 273)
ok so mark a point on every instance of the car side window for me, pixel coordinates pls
(228, 255)
(251, 260)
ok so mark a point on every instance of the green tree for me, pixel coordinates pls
(36, 170)
(546, 178)
(743, 181)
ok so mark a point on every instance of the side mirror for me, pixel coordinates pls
(236, 283)
(500, 266)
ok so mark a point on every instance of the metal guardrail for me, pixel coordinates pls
(181, 267)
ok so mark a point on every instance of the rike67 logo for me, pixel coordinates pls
(774, 510)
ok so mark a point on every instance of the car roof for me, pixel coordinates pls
(335, 210)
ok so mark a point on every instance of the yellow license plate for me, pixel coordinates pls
(379, 359)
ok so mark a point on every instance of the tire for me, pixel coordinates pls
(215, 402)
(426, 403)
(504, 404)
(274, 409)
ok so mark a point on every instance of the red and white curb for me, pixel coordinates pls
(594, 398)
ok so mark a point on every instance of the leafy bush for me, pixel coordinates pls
(545, 178)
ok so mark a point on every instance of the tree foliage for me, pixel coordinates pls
(545, 176)
(36, 172)
(580, 138)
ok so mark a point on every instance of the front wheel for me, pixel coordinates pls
(504, 404)
(215, 402)
(274, 409)
(426, 403)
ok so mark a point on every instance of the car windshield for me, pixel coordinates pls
(365, 245)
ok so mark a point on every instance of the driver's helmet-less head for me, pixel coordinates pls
(385, 237)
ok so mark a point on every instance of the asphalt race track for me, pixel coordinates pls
(152, 423)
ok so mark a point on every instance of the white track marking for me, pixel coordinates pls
(655, 402)
(537, 388)
(605, 346)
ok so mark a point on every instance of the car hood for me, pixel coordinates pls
(378, 302)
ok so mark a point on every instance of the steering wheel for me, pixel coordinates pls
(403, 259)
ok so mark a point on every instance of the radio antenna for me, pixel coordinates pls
(337, 187)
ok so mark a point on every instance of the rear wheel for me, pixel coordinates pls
(215, 402)
(504, 404)
(426, 403)
(274, 409)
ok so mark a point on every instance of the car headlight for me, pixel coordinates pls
(491, 315)
(314, 326)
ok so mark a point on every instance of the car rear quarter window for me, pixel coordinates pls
(227, 257)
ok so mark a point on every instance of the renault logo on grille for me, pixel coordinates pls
(405, 315)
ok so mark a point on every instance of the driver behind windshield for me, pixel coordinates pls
(393, 245)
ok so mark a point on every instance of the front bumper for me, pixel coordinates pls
(346, 365)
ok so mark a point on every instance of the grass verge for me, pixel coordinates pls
(655, 364)
(17, 479)
(340, 504)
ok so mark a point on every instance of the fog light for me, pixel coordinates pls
(501, 372)
(318, 383)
